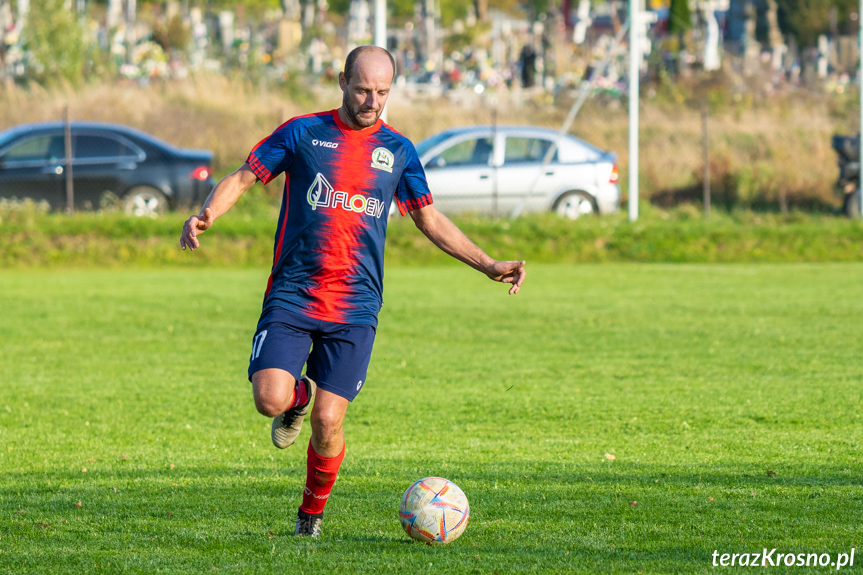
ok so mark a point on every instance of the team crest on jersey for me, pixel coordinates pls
(383, 159)
(321, 194)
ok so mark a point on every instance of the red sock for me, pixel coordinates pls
(300, 395)
(321, 473)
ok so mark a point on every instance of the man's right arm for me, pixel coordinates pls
(223, 196)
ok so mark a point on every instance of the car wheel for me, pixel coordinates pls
(145, 202)
(852, 204)
(573, 205)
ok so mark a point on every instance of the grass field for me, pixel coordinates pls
(30, 238)
(610, 418)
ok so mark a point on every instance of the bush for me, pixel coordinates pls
(30, 237)
(55, 42)
(172, 36)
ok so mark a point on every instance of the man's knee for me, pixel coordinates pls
(327, 417)
(269, 405)
(327, 426)
(273, 390)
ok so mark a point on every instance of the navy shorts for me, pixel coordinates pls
(337, 354)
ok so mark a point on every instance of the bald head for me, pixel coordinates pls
(369, 56)
(365, 83)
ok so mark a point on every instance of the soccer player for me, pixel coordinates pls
(343, 169)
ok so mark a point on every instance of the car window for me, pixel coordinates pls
(520, 150)
(431, 142)
(44, 148)
(475, 152)
(100, 147)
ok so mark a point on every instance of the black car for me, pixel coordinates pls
(148, 175)
(848, 149)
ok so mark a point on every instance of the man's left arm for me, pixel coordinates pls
(445, 235)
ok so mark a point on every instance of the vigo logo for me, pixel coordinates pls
(324, 144)
(322, 195)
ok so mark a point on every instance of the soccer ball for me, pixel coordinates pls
(434, 510)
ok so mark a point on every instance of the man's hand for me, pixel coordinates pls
(220, 200)
(445, 235)
(194, 226)
(508, 273)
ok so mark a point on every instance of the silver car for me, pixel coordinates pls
(499, 170)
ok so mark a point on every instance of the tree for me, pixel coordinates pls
(55, 42)
(807, 19)
(679, 19)
(173, 36)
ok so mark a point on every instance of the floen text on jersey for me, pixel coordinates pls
(329, 244)
(323, 195)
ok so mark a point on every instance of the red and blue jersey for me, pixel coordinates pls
(329, 251)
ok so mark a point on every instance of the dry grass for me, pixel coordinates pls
(757, 154)
(213, 113)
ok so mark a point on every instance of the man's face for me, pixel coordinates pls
(366, 94)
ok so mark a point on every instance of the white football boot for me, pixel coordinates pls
(287, 426)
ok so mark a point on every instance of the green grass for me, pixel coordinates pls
(728, 396)
(244, 236)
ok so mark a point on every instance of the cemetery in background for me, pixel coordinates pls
(775, 78)
(440, 45)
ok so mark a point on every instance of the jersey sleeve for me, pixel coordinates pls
(275, 153)
(413, 191)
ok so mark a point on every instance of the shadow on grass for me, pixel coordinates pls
(380, 539)
(525, 515)
(534, 473)
(500, 491)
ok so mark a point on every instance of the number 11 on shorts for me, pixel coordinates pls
(257, 343)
